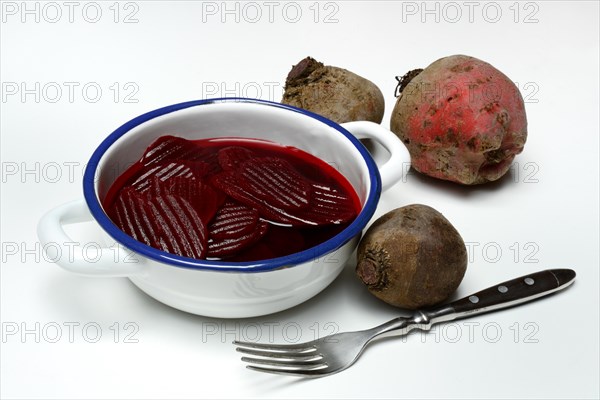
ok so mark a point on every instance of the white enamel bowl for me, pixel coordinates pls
(222, 289)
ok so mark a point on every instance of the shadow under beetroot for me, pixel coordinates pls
(460, 190)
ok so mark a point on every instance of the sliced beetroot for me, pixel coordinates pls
(203, 197)
(230, 183)
(182, 232)
(276, 182)
(167, 170)
(231, 157)
(327, 206)
(168, 148)
(172, 148)
(130, 212)
(167, 223)
(212, 160)
(219, 248)
(233, 220)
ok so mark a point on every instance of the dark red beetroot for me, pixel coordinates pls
(232, 220)
(130, 213)
(167, 170)
(219, 247)
(275, 180)
(222, 200)
(231, 157)
(266, 182)
(328, 205)
(166, 222)
(201, 196)
(172, 148)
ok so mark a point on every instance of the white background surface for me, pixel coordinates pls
(544, 214)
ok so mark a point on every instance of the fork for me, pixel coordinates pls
(335, 353)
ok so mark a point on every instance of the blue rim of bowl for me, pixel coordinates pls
(289, 261)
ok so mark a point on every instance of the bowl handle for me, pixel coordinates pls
(72, 255)
(398, 163)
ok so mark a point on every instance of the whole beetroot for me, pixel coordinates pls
(333, 92)
(412, 257)
(461, 119)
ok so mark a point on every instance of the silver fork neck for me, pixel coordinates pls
(420, 320)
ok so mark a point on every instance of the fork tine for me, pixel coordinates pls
(306, 356)
(310, 373)
(295, 364)
(295, 348)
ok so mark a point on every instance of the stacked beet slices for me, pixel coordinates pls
(234, 199)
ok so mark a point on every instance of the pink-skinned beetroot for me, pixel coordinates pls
(461, 119)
